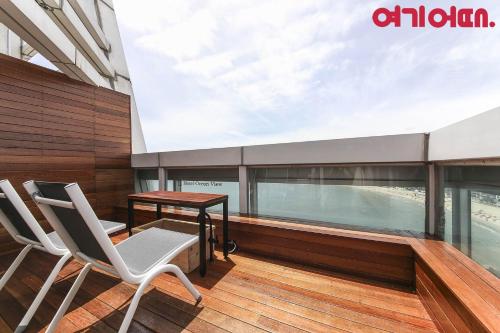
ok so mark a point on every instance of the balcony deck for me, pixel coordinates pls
(57, 129)
(246, 294)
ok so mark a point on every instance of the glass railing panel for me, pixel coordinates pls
(216, 181)
(472, 212)
(216, 187)
(485, 230)
(147, 180)
(365, 197)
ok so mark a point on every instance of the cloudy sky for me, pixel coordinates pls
(225, 73)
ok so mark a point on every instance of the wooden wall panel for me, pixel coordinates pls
(114, 177)
(54, 128)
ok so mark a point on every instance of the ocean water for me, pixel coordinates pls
(230, 188)
(338, 204)
(486, 247)
(353, 206)
(485, 243)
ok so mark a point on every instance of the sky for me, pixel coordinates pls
(229, 73)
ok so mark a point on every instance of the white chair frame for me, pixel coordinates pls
(43, 244)
(118, 267)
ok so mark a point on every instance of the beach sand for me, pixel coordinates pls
(486, 215)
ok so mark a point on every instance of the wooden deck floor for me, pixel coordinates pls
(245, 294)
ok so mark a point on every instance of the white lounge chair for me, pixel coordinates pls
(24, 229)
(136, 260)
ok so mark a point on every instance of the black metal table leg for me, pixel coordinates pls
(225, 228)
(210, 237)
(130, 223)
(158, 211)
(203, 242)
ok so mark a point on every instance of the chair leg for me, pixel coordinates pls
(133, 306)
(20, 257)
(185, 281)
(41, 294)
(69, 298)
(140, 291)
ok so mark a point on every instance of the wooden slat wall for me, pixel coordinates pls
(54, 128)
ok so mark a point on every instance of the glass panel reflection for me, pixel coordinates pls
(371, 197)
(147, 180)
(472, 212)
(216, 181)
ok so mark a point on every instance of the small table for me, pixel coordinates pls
(200, 201)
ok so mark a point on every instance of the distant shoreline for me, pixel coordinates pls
(486, 215)
(396, 192)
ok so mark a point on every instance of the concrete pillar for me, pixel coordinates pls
(431, 200)
(243, 182)
(162, 179)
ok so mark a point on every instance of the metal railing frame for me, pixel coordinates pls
(394, 150)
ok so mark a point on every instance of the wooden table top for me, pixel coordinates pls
(187, 199)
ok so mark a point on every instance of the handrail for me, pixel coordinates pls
(403, 148)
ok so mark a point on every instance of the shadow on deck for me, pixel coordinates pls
(246, 294)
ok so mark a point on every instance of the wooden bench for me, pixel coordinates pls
(460, 295)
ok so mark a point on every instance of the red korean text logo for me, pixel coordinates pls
(437, 17)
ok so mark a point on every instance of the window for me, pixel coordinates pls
(366, 197)
(147, 180)
(470, 212)
(217, 181)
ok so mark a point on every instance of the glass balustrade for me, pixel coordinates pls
(216, 181)
(147, 180)
(371, 197)
(471, 212)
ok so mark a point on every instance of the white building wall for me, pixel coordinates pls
(10, 43)
(122, 82)
(477, 137)
(80, 37)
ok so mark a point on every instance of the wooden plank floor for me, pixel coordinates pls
(245, 294)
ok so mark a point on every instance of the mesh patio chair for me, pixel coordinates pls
(136, 260)
(18, 221)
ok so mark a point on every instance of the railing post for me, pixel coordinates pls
(162, 179)
(136, 182)
(243, 182)
(431, 200)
